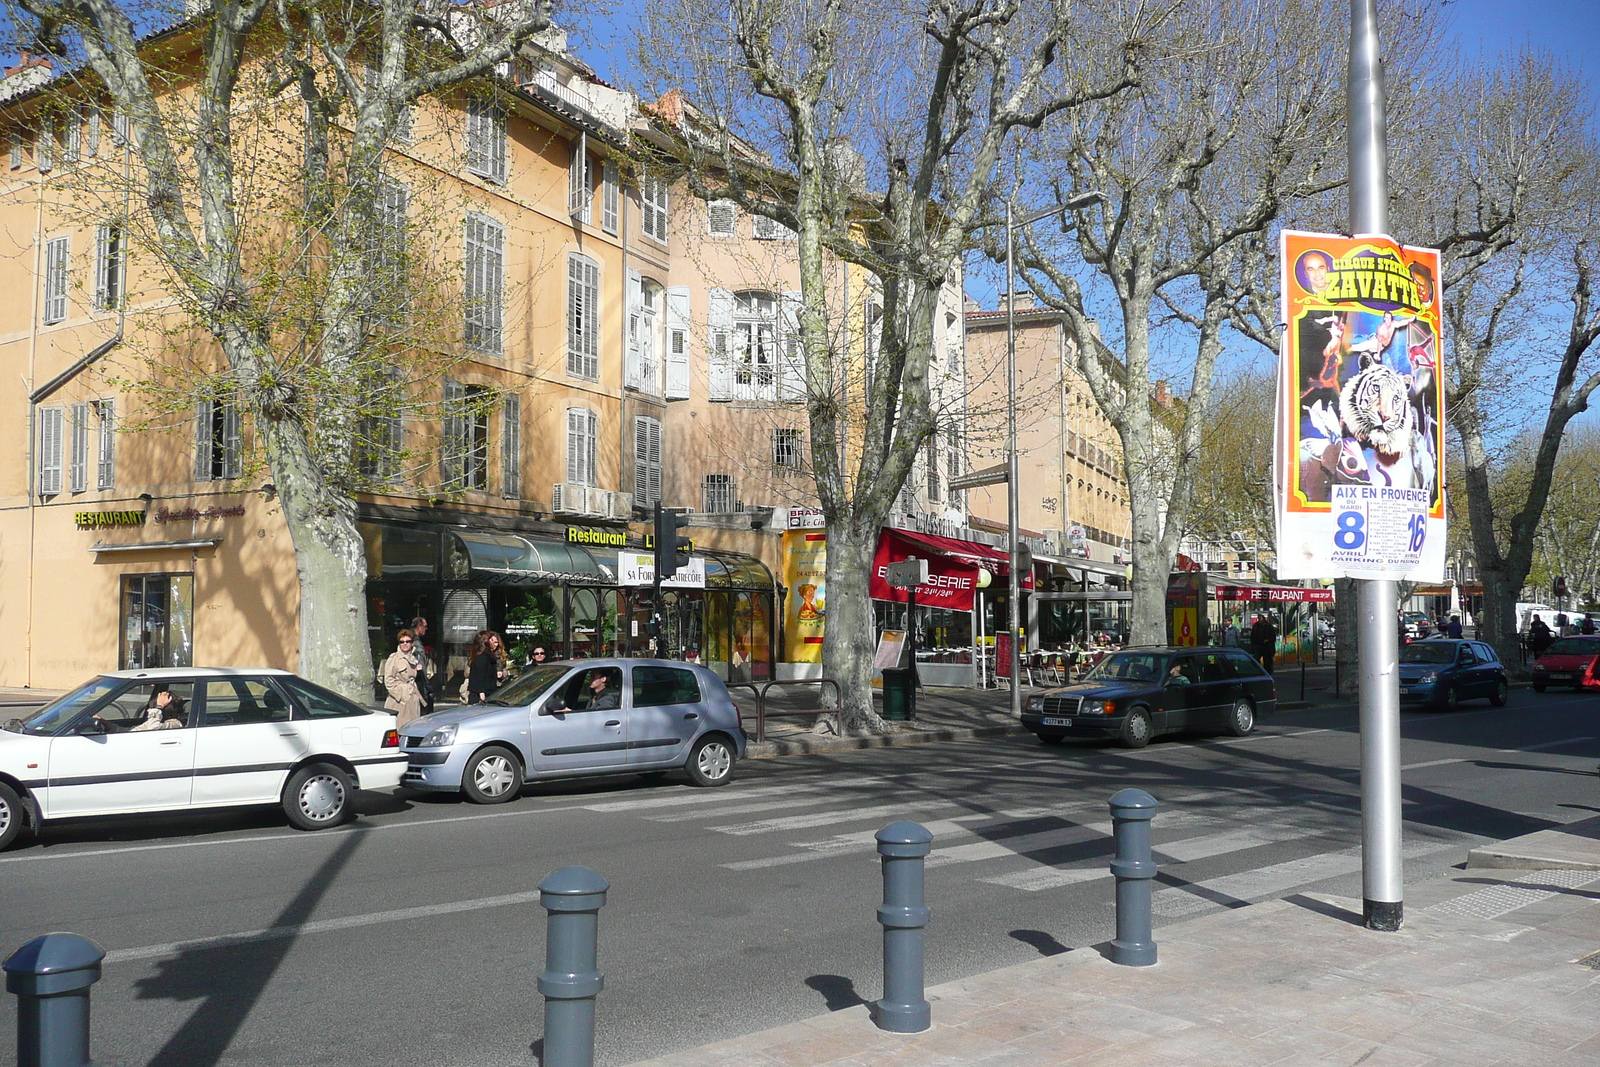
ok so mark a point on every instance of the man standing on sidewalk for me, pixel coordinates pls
(1264, 641)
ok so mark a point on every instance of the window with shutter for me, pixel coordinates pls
(106, 468)
(755, 344)
(56, 260)
(511, 447)
(50, 444)
(653, 200)
(720, 341)
(677, 343)
(646, 460)
(92, 133)
(486, 140)
(391, 293)
(582, 428)
(633, 373)
(930, 463)
(792, 369)
(580, 181)
(583, 326)
(18, 142)
(72, 141)
(380, 437)
(485, 278)
(108, 267)
(453, 436)
(610, 197)
(45, 150)
(78, 468)
(721, 218)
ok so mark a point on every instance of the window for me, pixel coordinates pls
(78, 468)
(243, 702)
(653, 200)
(57, 257)
(755, 352)
(953, 457)
(786, 449)
(108, 267)
(157, 621)
(44, 151)
(484, 285)
(582, 431)
(464, 462)
(583, 326)
(390, 267)
(72, 142)
(92, 142)
(51, 421)
(716, 493)
(610, 197)
(646, 460)
(131, 707)
(216, 436)
(765, 229)
(655, 687)
(120, 128)
(18, 141)
(930, 463)
(511, 447)
(318, 702)
(379, 441)
(677, 342)
(721, 218)
(486, 140)
(106, 467)
(644, 326)
(580, 181)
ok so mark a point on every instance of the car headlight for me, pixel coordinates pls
(1099, 707)
(441, 738)
(1036, 703)
(1429, 678)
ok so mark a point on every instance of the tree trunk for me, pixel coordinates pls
(848, 651)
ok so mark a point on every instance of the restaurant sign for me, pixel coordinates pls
(94, 520)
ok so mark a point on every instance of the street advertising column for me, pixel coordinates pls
(805, 570)
(1359, 457)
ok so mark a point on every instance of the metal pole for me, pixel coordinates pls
(573, 896)
(51, 976)
(1133, 867)
(904, 915)
(1013, 580)
(1382, 877)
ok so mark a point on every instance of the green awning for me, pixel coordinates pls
(508, 559)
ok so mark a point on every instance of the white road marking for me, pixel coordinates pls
(1430, 763)
(903, 810)
(321, 926)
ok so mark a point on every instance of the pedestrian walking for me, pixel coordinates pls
(1586, 627)
(400, 679)
(486, 666)
(1264, 641)
(422, 652)
(1454, 627)
(1230, 635)
(1539, 637)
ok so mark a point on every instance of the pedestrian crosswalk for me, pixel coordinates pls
(1035, 848)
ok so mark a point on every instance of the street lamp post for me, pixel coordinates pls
(1013, 523)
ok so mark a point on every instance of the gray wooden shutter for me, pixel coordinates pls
(78, 477)
(719, 322)
(633, 368)
(578, 184)
(646, 460)
(610, 197)
(678, 343)
(93, 147)
(511, 447)
(50, 420)
(452, 452)
(204, 440)
(57, 254)
(791, 353)
(232, 448)
(106, 469)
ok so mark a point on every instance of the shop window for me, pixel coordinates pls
(156, 624)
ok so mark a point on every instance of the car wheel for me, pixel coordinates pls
(1452, 699)
(711, 761)
(1242, 719)
(1136, 729)
(493, 776)
(1502, 690)
(10, 815)
(1538, 687)
(318, 796)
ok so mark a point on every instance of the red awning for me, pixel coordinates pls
(952, 568)
(1282, 594)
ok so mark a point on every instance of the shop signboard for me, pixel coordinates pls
(805, 608)
(1359, 443)
(639, 568)
(1274, 594)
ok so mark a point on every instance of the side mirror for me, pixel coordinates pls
(551, 706)
(91, 726)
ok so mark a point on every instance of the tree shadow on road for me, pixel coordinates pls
(228, 980)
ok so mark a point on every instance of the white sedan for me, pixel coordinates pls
(179, 738)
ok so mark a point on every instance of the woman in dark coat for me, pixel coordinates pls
(486, 666)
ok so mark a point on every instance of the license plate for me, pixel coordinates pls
(1404, 690)
(1058, 722)
(1559, 677)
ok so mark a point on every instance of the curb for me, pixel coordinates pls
(806, 746)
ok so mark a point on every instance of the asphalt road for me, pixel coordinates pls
(414, 935)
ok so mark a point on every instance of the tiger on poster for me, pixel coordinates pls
(1359, 451)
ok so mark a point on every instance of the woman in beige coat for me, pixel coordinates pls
(400, 679)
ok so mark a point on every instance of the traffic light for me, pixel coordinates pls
(672, 551)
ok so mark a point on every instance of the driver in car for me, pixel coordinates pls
(602, 695)
(163, 711)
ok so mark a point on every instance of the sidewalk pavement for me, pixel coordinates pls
(954, 714)
(1496, 969)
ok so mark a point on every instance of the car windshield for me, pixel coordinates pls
(63, 709)
(1128, 667)
(1428, 652)
(525, 687)
(1574, 646)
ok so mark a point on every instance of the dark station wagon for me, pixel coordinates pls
(1137, 693)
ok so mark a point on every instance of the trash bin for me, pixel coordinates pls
(899, 694)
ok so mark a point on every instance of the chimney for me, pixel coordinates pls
(970, 306)
(1163, 393)
(1024, 299)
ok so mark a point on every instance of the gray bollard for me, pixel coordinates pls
(51, 976)
(1131, 812)
(903, 845)
(573, 896)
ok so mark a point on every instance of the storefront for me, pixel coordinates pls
(1299, 613)
(1077, 603)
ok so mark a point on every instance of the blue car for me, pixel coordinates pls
(575, 720)
(1443, 673)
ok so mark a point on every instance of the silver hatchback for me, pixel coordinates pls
(592, 717)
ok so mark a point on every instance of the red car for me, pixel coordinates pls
(1573, 661)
